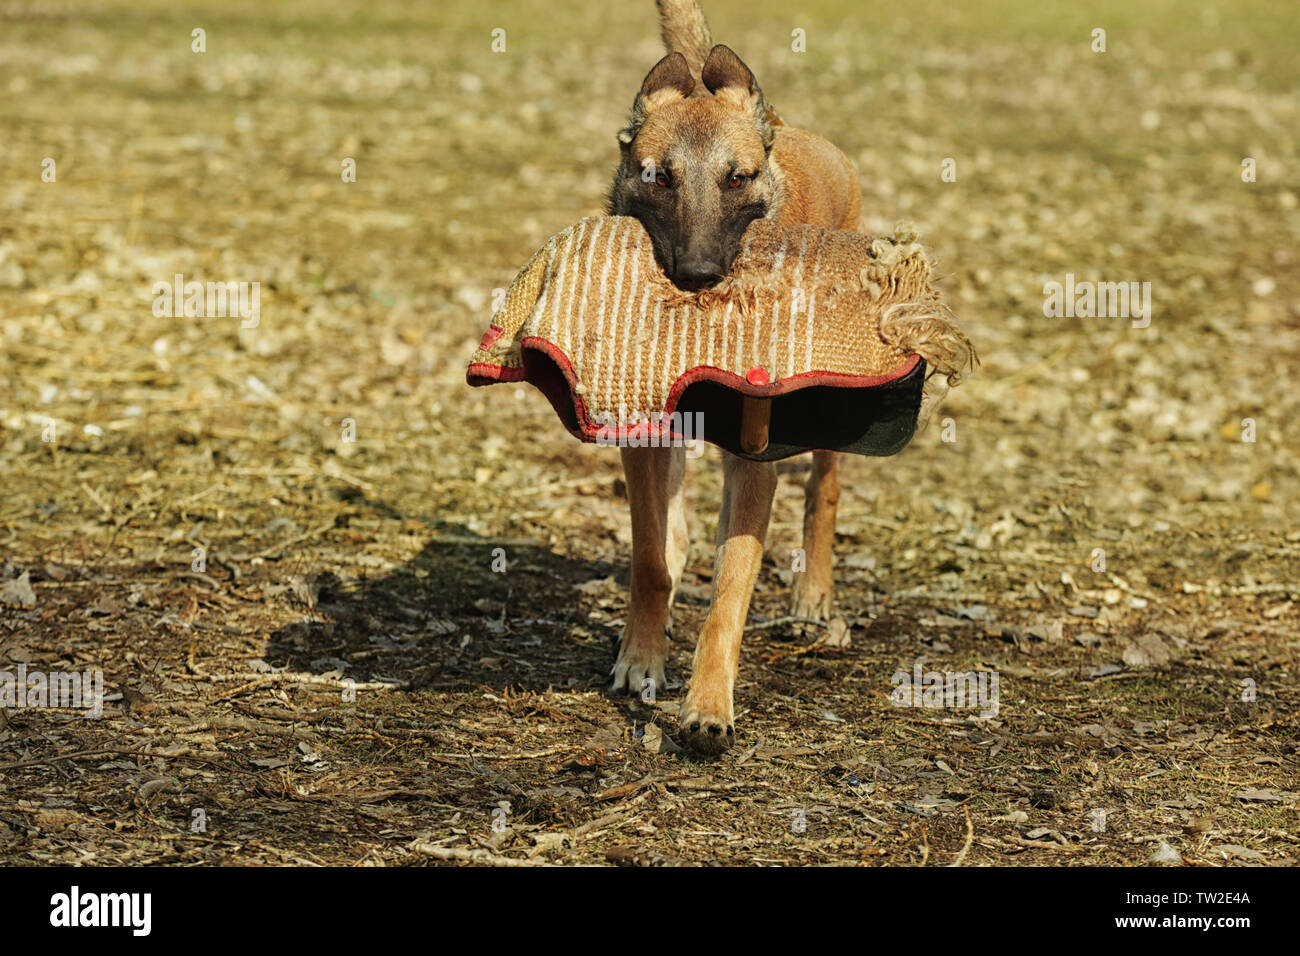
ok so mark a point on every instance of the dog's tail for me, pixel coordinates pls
(685, 31)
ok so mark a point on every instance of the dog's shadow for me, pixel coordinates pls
(474, 614)
(467, 613)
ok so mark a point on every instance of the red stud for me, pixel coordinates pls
(757, 376)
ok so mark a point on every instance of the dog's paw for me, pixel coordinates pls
(636, 662)
(810, 601)
(708, 728)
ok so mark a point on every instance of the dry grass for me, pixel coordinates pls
(372, 560)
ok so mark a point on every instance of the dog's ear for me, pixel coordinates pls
(668, 81)
(731, 82)
(670, 75)
(726, 76)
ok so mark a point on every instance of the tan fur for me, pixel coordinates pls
(819, 184)
(659, 545)
(684, 29)
(804, 179)
(877, 306)
(821, 189)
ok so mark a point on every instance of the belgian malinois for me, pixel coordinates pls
(703, 155)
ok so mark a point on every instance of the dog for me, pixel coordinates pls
(702, 156)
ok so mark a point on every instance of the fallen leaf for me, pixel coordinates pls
(1145, 651)
(1166, 855)
(837, 633)
(1240, 852)
(18, 592)
(658, 742)
(1267, 796)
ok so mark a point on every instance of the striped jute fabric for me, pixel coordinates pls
(798, 302)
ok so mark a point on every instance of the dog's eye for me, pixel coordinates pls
(661, 179)
(736, 181)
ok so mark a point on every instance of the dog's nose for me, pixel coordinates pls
(697, 271)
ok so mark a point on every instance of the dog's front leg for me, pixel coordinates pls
(707, 721)
(813, 588)
(655, 491)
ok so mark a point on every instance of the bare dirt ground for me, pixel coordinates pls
(345, 679)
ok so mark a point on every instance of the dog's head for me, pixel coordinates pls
(694, 167)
